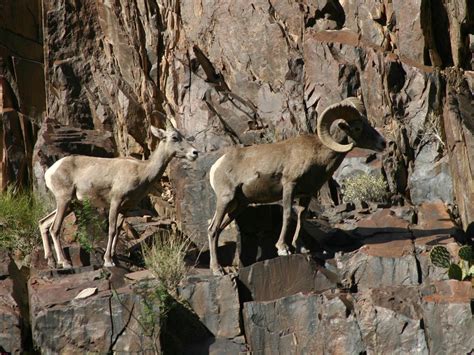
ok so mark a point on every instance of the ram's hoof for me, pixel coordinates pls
(284, 252)
(303, 250)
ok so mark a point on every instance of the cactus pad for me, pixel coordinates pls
(455, 272)
(466, 253)
(440, 257)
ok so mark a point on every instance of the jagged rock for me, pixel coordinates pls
(430, 179)
(390, 320)
(410, 20)
(106, 321)
(12, 327)
(303, 324)
(457, 119)
(447, 313)
(281, 277)
(216, 302)
(22, 94)
(387, 254)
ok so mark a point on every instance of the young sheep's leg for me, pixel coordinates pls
(300, 215)
(44, 225)
(214, 231)
(113, 215)
(62, 206)
(120, 220)
(287, 201)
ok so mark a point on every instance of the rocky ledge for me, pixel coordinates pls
(373, 291)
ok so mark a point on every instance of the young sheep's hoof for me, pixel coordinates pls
(51, 263)
(284, 252)
(218, 271)
(65, 265)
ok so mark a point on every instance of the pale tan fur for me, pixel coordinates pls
(114, 183)
(282, 171)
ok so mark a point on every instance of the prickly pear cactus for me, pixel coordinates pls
(440, 257)
(455, 272)
(466, 253)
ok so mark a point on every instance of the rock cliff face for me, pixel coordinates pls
(242, 73)
(90, 76)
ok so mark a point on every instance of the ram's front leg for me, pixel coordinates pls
(286, 203)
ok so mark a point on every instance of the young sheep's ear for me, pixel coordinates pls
(158, 132)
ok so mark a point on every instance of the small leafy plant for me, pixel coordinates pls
(463, 270)
(20, 212)
(90, 225)
(365, 187)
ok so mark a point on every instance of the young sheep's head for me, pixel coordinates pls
(176, 143)
(349, 116)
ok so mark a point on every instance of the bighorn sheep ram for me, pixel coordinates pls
(114, 183)
(286, 170)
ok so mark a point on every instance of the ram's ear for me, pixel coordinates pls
(342, 124)
(158, 132)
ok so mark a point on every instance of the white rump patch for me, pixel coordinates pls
(213, 170)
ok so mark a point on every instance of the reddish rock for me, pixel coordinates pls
(435, 225)
(448, 305)
(384, 234)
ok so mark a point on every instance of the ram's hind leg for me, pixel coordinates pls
(224, 205)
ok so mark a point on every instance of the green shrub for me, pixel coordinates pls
(90, 225)
(165, 259)
(365, 187)
(19, 216)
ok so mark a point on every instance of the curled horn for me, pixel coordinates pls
(348, 110)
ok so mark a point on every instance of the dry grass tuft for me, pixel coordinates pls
(165, 259)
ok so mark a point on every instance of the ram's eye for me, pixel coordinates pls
(174, 139)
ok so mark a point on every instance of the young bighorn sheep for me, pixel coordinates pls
(292, 169)
(114, 183)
